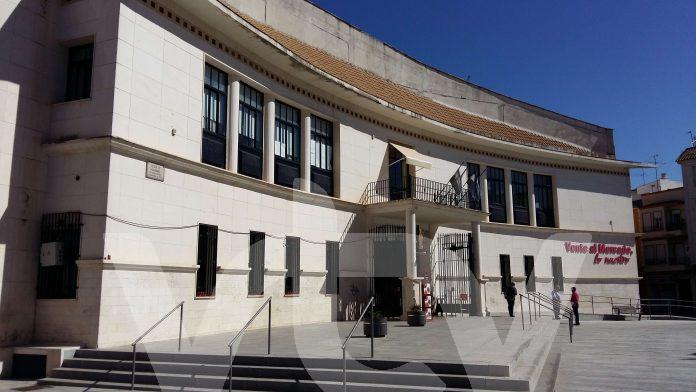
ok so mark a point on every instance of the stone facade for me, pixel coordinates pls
(90, 155)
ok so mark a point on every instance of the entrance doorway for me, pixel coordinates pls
(388, 267)
(452, 272)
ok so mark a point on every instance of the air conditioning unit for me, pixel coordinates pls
(51, 254)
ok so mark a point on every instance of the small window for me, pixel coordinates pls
(321, 156)
(530, 278)
(332, 252)
(543, 197)
(59, 280)
(79, 74)
(292, 264)
(214, 117)
(250, 131)
(496, 195)
(257, 252)
(287, 146)
(207, 260)
(520, 199)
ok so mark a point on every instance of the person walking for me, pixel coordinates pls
(510, 296)
(556, 300)
(575, 302)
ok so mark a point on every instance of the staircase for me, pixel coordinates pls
(173, 371)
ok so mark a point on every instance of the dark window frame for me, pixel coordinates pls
(529, 274)
(60, 281)
(543, 198)
(505, 272)
(557, 272)
(286, 145)
(206, 275)
(321, 146)
(497, 203)
(292, 265)
(473, 185)
(520, 197)
(251, 109)
(214, 121)
(332, 267)
(257, 262)
(78, 84)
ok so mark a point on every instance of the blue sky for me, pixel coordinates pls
(626, 65)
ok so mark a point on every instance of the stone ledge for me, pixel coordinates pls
(115, 266)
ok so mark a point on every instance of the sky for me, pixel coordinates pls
(625, 65)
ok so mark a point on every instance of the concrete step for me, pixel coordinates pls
(261, 378)
(472, 369)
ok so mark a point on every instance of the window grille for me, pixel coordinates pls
(257, 252)
(292, 264)
(60, 281)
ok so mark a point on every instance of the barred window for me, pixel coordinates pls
(520, 199)
(207, 260)
(496, 194)
(332, 252)
(292, 264)
(257, 254)
(543, 197)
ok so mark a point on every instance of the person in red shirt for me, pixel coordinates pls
(575, 302)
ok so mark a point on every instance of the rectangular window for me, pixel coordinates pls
(505, 273)
(496, 194)
(292, 264)
(207, 260)
(677, 253)
(520, 199)
(79, 72)
(332, 267)
(652, 221)
(530, 278)
(676, 222)
(321, 156)
(287, 145)
(473, 185)
(257, 254)
(250, 131)
(557, 271)
(59, 279)
(214, 116)
(543, 197)
(655, 254)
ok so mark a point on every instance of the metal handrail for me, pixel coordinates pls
(370, 305)
(135, 343)
(550, 300)
(241, 331)
(568, 316)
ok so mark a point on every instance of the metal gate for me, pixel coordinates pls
(452, 272)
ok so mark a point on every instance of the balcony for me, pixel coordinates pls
(676, 225)
(436, 202)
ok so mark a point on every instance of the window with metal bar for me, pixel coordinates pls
(214, 117)
(287, 145)
(543, 197)
(250, 131)
(292, 265)
(79, 72)
(207, 260)
(530, 278)
(520, 199)
(505, 273)
(60, 280)
(321, 156)
(473, 185)
(496, 194)
(332, 252)
(257, 252)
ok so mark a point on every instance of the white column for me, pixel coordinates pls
(508, 196)
(531, 199)
(306, 136)
(269, 138)
(475, 272)
(484, 190)
(410, 217)
(336, 159)
(233, 128)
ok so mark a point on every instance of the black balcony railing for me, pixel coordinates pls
(675, 224)
(418, 189)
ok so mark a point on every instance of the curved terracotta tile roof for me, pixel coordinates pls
(687, 155)
(404, 98)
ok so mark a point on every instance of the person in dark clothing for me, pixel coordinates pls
(575, 302)
(510, 295)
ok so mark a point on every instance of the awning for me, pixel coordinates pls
(412, 156)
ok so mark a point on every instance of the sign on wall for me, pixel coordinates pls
(154, 171)
(603, 253)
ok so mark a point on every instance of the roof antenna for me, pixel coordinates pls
(693, 140)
